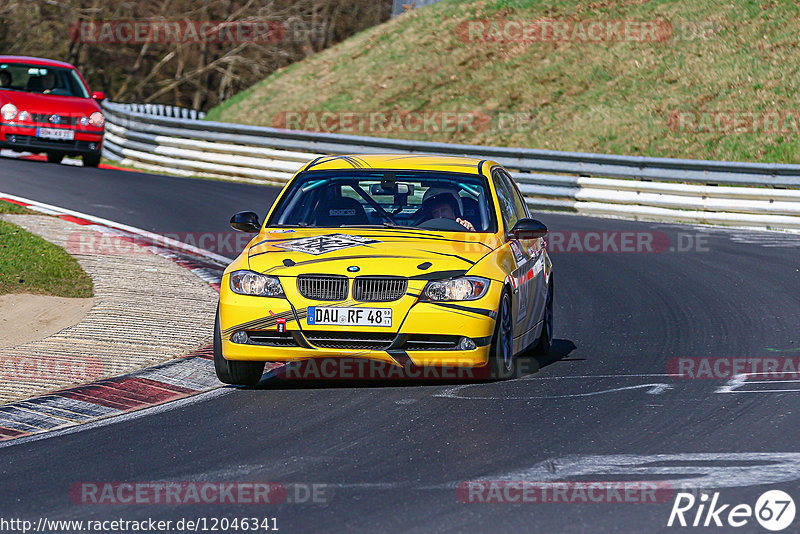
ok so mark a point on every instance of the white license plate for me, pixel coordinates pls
(350, 316)
(55, 133)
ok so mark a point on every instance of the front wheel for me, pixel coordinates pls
(233, 372)
(91, 160)
(501, 357)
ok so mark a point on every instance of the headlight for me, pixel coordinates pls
(259, 285)
(84, 121)
(24, 115)
(8, 111)
(466, 288)
(97, 119)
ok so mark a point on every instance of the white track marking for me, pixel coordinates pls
(654, 388)
(738, 381)
(156, 238)
(687, 470)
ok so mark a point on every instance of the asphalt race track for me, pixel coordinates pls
(390, 456)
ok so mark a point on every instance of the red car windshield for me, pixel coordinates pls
(55, 81)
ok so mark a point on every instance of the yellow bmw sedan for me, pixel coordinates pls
(408, 260)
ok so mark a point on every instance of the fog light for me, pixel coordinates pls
(92, 146)
(466, 343)
(12, 139)
(239, 337)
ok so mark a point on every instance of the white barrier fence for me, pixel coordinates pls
(694, 191)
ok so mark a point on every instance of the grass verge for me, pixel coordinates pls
(29, 264)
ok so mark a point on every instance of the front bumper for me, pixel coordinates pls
(423, 333)
(24, 139)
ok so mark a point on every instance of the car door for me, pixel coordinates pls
(535, 275)
(520, 298)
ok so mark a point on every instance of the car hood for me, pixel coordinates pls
(37, 103)
(366, 252)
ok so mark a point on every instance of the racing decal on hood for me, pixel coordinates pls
(324, 260)
(323, 244)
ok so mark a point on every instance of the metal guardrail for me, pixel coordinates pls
(164, 110)
(697, 191)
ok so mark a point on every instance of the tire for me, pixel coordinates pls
(54, 157)
(91, 160)
(233, 372)
(501, 357)
(546, 337)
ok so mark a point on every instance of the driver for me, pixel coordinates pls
(443, 203)
(48, 82)
(5, 78)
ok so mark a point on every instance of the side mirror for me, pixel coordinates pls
(99, 96)
(246, 221)
(528, 229)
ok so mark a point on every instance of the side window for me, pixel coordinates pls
(519, 202)
(505, 197)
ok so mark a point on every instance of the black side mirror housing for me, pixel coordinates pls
(246, 221)
(528, 229)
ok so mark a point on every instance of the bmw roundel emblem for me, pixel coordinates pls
(353, 269)
(55, 119)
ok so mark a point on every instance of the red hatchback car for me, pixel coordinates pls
(46, 107)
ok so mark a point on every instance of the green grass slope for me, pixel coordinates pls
(621, 96)
(29, 264)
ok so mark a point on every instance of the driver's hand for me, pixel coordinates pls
(466, 224)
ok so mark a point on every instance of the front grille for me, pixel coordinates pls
(350, 340)
(271, 339)
(314, 287)
(431, 342)
(30, 141)
(378, 289)
(65, 121)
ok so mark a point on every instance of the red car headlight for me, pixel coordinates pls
(97, 119)
(8, 112)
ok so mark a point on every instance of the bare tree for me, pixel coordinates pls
(197, 73)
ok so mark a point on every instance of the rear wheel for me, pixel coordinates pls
(91, 160)
(546, 337)
(501, 357)
(54, 157)
(233, 372)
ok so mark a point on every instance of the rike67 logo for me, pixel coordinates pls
(774, 510)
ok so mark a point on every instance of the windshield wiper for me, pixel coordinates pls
(382, 225)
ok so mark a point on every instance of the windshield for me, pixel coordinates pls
(43, 80)
(435, 201)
